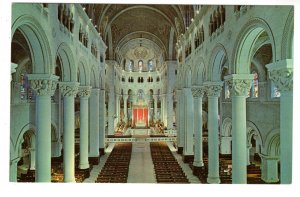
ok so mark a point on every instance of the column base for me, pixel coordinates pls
(101, 151)
(213, 180)
(94, 160)
(188, 158)
(84, 166)
(180, 150)
(197, 170)
(270, 180)
(198, 164)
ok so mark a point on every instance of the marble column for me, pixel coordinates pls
(269, 168)
(125, 97)
(155, 107)
(13, 169)
(84, 93)
(44, 86)
(94, 127)
(281, 73)
(170, 111)
(182, 124)
(213, 90)
(188, 152)
(162, 102)
(102, 122)
(69, 91)
(198, 93)
(239, 86)
(111, 113)
(179, 143)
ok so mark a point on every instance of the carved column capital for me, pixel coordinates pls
(69, 88)
(198, 91)
(281, 73)
(84, 91)
(213, 88)
(43, 84)
(239, 84)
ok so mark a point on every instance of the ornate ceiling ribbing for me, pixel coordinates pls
(130, 21)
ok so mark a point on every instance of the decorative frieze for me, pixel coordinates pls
(84, 91)
(239, 84)
(213, 88)
(43, 84)
(69, 88)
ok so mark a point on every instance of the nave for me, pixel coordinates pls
(149, 162)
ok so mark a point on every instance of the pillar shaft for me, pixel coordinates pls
(170, 111)
(111, 113)
(198, 158)
(94, 123)
(84, 93)
(13, 170)
(102, 121)
(69, 90)
(213, 92)
(44, 87)
(239, 85)
(281, 73)
(188, 122)
(125, 107)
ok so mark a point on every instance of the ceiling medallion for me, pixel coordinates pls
(140, 52)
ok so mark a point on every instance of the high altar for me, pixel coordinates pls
(140, 114)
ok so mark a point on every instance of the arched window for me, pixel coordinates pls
(157, 79)
(130, 65)
(254, 85)
(150, 65)
(140, 65)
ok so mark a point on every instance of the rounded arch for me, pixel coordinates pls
(198, 73)
(287, 43)
(245, 43)
(28, 127)
(83, 71)
(226, 127)
(217, 60)
(272, 144)
(37, 40)
(94, 76)
(252, 131)
(66, 58)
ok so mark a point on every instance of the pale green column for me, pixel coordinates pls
(102, 122)
(198, 93)
(111, 113)
(94, 124)
(69, 91)
(188, 149)
(170, 111)
(13, 169)
(182, 122)
(281, 73)
(178, 118)
(155, 107)
(44, 86)
(84, 92)
(125, 97)
(213, 90)
(239, 85)
(269, 168)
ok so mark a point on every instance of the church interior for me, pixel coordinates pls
(151, 93)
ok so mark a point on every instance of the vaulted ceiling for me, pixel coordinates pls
(120, 23)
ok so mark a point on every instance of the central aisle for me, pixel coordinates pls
(141, 168)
